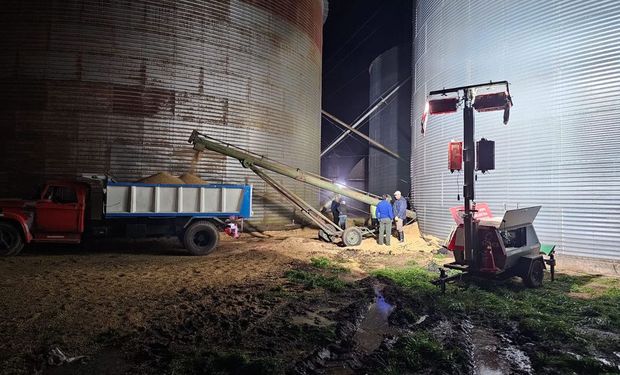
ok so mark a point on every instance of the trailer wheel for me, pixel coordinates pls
(201, 238)
(11, 242)
(323, 236)
(352, 236)
(535, 275)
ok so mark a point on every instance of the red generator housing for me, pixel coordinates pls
(455, 156)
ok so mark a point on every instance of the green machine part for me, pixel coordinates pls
(547, 249)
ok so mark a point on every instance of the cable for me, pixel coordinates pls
(325, 74)
(326, 97)
(354, 34)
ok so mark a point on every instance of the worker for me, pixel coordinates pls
(400, 214)
(385, 214)
(374, 224)
(342, 222)
(336, 209)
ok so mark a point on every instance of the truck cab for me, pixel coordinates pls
(59, 213)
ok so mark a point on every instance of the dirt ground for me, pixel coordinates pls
(272, 302)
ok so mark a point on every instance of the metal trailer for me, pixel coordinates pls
(68, 211)
(329, 231)
(509, 246)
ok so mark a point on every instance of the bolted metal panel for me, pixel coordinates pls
(391, 125)
(117, 87)
(560, 148)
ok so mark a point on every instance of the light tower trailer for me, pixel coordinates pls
(72, 210)
(486, 250)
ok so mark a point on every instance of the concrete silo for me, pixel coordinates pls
(559, 149)
(117, 87)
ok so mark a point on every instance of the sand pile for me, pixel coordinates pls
(161, 178)
(189, 178)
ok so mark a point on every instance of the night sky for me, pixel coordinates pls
(355, 33)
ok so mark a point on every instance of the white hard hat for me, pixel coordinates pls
(397, 192)
(343, 202)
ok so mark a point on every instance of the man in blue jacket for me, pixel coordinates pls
(385, 216)
(400, 214)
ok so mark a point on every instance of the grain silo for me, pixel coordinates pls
(559, 149)
(117, 87)
(391, 125)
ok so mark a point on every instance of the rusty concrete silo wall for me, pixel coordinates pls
(117, 86)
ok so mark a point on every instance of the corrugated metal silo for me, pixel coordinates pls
(391, 125)
(560, 148)
(117, 86)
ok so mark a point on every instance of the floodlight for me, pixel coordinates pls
(443, 105)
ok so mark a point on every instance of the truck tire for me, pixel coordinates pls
(352, 236)
(201, 238)
(535, 275)
(11, 241)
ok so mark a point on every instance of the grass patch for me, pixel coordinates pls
(414, 278)
(325, 263)
(548, 316)
(420, 351)
(311, 280)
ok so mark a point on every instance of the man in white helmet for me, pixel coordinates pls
(400, 214)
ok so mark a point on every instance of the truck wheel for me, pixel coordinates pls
(536, 274)
(352, 236)
(11, 242)
(201, 238)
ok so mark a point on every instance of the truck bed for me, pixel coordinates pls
(133, 199)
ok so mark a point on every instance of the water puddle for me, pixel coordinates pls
(374, 326)
(494, 354)
(367, 338)
(485, 353)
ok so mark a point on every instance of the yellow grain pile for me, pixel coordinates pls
(161, 178)
(189, 178)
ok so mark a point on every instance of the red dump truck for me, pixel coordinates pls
(70, 210)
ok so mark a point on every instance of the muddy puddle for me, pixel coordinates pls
(494, 354)
(374, 326)
(368, 336)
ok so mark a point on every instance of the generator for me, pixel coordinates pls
(508, 246)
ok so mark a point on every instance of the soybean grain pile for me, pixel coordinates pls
(167, 178)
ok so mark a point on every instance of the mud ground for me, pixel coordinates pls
(280, 302)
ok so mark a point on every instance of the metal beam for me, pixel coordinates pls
(364, 117)
(359, 133)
